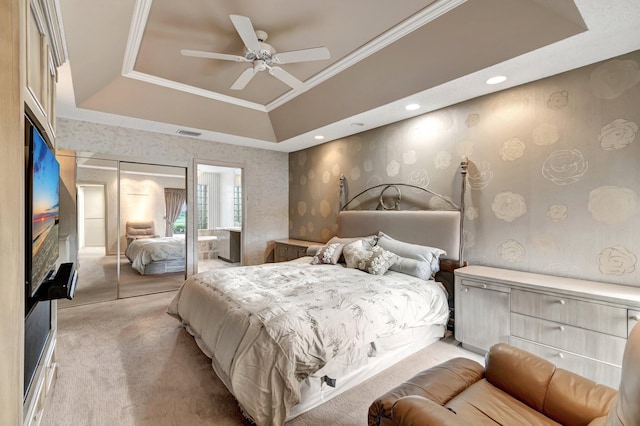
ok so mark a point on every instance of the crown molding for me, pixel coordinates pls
(159, 81)
(428, 14)
(139, 22)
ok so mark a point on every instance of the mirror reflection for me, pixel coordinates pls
(152, 224)
(131, 227)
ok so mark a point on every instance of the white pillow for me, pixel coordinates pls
(430, 255)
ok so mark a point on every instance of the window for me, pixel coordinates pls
(237, 205)
(180, 224)
(203, 206)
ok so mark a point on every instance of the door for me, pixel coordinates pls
(152, 228)
(482, 315)
(93, 208)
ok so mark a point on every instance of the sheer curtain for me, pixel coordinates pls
(174, 198)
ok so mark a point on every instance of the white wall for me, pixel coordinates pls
(266, 175)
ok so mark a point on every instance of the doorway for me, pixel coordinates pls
(219, 216)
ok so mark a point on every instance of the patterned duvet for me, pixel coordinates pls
(143, 251)
(269, 326)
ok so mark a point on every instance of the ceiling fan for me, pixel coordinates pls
(262, 56)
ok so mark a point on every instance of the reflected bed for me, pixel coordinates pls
(159, 255)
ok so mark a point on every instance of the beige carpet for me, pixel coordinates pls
(127, 362)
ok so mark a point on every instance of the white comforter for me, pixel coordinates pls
(143, 251)
(269, 326)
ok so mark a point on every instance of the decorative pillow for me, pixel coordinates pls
(328, 254)
(431, 255)
(312, 250)
(369, 240)
(377, 261)
(354, 253)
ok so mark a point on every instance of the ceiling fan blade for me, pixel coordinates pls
(245, 30)
(244, 78)
(304, 55)
(213, 55)
(286, 78)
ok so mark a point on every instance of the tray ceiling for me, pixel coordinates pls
(125, 60)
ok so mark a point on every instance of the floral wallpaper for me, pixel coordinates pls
(552, 184)
(265, 173)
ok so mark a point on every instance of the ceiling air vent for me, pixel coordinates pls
(189, 133)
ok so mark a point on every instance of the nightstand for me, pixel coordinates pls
(286, 250)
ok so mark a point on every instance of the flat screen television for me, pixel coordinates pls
(42, 209)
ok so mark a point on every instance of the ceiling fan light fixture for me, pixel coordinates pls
(262, 56)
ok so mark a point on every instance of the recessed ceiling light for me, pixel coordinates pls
(318, 137)
(497, 79)
(412, 107)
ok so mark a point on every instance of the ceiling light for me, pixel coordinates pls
(318, 137)
(412, 107)
(497, 79)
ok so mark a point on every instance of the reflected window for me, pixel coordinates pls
(180, 224)
(237, 205)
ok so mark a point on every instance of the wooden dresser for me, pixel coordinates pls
(291, 249)
(578, 325)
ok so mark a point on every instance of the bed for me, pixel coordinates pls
(159, 255)
(286, 337)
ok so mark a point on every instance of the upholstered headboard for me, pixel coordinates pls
(439, 229)
(142, 229)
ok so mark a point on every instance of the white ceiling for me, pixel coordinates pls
(125, 66)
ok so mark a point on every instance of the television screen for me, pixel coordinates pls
(45, 197)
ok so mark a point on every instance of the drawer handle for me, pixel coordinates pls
(466, 290)
(560, 355)
(484, 286)
(635, 317)
(561, 328)
(561, 301)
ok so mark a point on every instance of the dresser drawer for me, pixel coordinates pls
(611, 320)
(599, 372)
(285, 252)
(592, 344)
(483, 285)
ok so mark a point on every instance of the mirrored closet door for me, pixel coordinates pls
(153, 205)
(96, 208)
(131, 227)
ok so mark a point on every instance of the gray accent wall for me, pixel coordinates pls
(554, 175)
